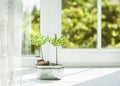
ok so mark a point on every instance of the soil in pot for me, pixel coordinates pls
(42, 62)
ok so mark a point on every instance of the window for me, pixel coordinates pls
(79, 23)
(93, 37)
(30, 25)
(93, 29)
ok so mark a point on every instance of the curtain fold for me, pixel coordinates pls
(10, 42)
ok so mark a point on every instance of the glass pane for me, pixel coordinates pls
(79, 23)
(111, 23)
(30, 25)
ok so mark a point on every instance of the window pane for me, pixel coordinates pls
(30, 25)
(79, 23)
(111, 23)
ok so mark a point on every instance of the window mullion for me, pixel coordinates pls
(99, 16)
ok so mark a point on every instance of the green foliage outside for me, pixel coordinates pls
(110, 24)
(31, 25)
(35, 19)
(26, 31)
(79, 23)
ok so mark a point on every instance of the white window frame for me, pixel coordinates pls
(51, 23)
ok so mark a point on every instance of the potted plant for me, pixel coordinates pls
(56, 41)
(37, 40)
(49, 70)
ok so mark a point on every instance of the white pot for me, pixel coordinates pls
(51, 72)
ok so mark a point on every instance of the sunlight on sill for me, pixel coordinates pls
(75, 77)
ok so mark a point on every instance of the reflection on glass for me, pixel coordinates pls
(79, 18)
(111, 23)
(30, 25)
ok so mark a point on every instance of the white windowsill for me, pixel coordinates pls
(75, 77)
(29, 61)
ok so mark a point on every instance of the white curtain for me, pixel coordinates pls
(10, 42)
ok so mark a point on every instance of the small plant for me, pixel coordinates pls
(38, 40)
(57, 41)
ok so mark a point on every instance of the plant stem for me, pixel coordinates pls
(41, 52)
(56, 55)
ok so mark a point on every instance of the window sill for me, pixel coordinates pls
(29, 61)
(75, 77)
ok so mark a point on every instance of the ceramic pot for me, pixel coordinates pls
(50, 72)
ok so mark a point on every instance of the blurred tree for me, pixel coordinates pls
(79, 23)
(31, 25)
(110, 24)
(35, 19)
(79, 18)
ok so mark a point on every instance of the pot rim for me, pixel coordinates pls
(58, 66)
